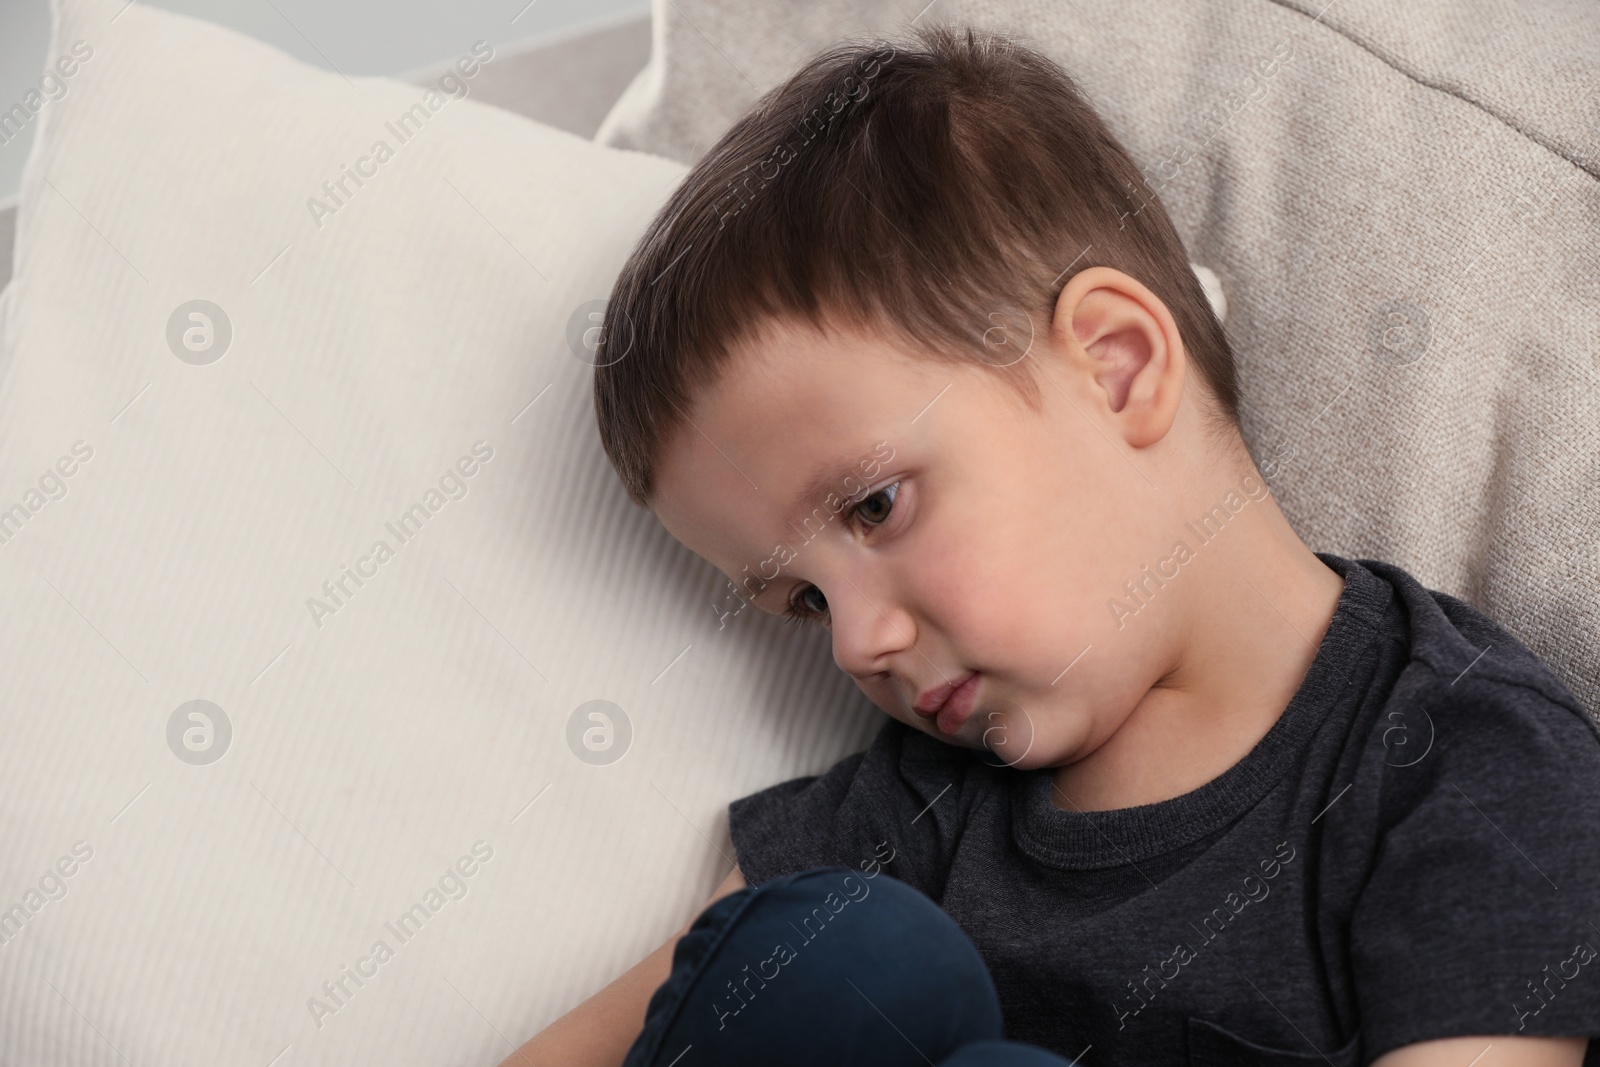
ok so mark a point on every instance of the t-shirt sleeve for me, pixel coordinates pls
(1481, 912)
(896, 807)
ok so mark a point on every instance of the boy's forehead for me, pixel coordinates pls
(732, 503)
(795, 416)
(707, 482)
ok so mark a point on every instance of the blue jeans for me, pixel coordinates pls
(827, 966)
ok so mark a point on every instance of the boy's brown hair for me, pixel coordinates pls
(940, 193)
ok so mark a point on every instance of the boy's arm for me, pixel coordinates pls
(599, 1032)
(1489, 1052)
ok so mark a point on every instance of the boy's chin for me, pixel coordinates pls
(1006, 734)
(1015, 757)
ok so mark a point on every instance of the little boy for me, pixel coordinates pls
(913, 358)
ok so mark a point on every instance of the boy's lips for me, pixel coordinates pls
(950, 703)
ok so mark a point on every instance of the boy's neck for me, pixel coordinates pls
(1257, 603)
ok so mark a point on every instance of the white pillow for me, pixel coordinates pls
(172, 517)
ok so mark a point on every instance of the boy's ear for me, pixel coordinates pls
(1111, 328)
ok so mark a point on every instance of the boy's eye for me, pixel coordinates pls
(874, 509)
(809, 605)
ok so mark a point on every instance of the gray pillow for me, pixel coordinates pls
(1401, 204)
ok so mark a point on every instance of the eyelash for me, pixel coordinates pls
(798, 616)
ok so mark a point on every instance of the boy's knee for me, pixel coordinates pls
(783, 964)
(851, 920)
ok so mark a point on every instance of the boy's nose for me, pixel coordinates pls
(868, 631)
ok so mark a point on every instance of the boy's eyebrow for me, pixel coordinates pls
(832, 475)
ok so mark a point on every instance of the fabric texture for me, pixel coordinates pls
(1400, 201)
(891, 979)
(1411, 852)
(409, 757)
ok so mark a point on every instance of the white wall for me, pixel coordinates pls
(352, 36)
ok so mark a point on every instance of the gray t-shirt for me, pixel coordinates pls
(1411, 852)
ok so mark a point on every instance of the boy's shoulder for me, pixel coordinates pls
(1458, 641)
(1463, 682)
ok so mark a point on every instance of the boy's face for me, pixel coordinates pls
(982, 536)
